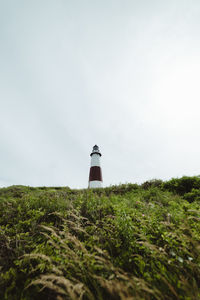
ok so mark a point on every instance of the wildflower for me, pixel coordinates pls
(180, 259)
(190, 258)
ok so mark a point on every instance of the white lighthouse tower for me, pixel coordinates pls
(95, 177)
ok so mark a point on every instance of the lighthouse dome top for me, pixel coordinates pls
(95, 150)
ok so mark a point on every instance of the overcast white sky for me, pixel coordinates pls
(121, 74)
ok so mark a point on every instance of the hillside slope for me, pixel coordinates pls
(121, 242)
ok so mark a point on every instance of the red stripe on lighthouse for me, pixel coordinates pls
(95, 174)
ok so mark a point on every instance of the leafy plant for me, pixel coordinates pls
(121, 242)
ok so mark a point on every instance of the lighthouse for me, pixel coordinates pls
(95, 177)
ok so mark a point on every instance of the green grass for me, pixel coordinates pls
(122, 242)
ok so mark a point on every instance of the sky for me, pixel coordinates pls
(122, 74)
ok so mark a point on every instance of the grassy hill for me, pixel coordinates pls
(123, 242)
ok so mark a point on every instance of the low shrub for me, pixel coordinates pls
(182, 185)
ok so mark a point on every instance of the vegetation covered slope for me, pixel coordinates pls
(121, 242)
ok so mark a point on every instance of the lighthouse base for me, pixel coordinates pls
(95, 184)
